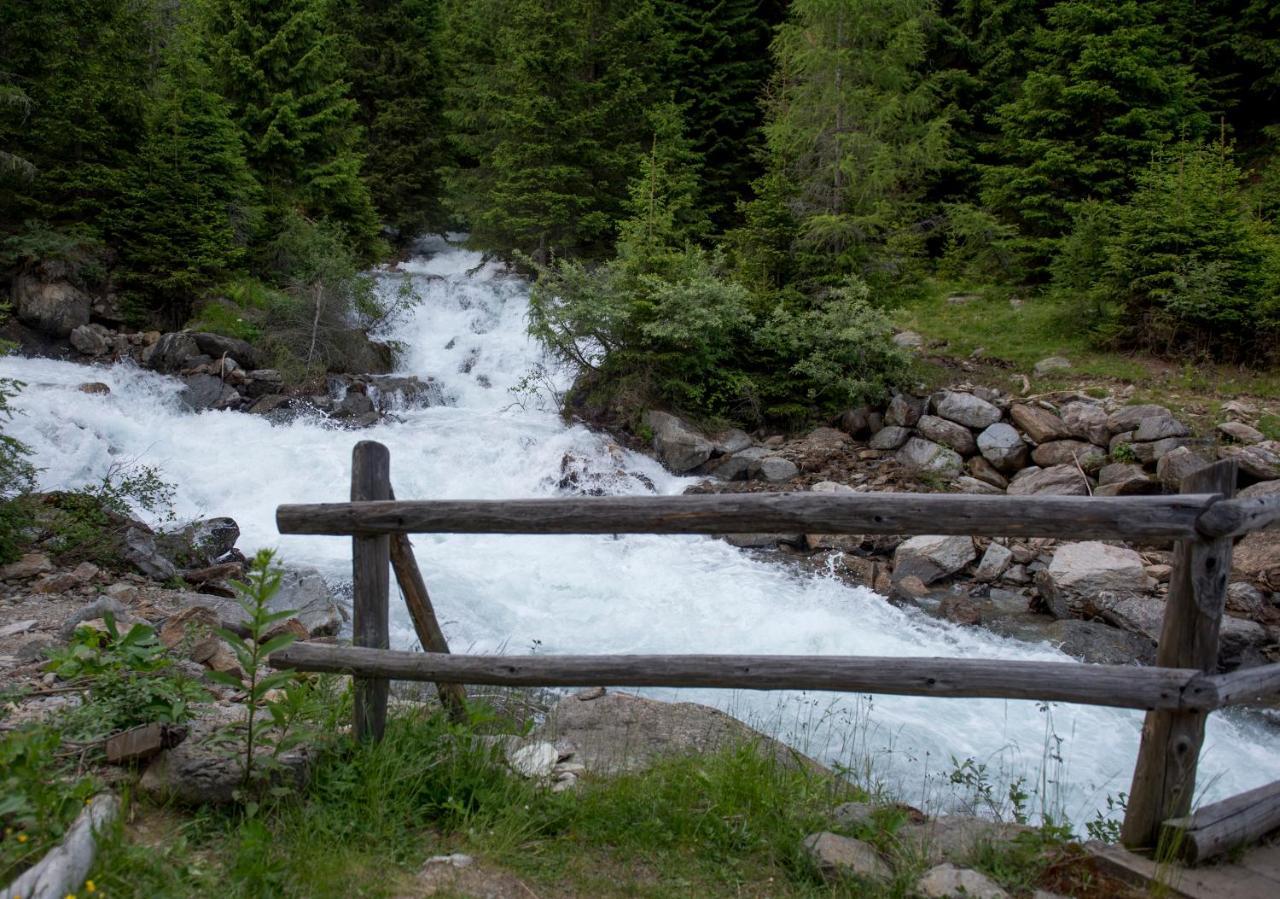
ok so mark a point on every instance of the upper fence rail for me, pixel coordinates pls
(1179, 517)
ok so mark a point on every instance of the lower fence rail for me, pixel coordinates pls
(1212, 830)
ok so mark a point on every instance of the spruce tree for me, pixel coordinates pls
(392, 57)
(854, 132)
(280, 66)
(186, 211)
(1105, 88)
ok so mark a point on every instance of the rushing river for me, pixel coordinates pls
(557, 594)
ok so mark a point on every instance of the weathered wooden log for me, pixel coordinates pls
(1122, 686)
(1218, 828)
(452, 696)
(370, 586)
(1081, 517)
(1164, 778)
(63, 869)
(1246, 684)
(1233, 517)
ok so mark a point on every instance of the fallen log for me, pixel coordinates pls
(64, 867)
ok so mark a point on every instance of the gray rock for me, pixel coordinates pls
(1085, 578)
(1052, 364)
(1060, 480)
(932, 557)
(1158, 427)
(201, 771)
(926, 456)
(1119, 472)
(1069, 452)
(1130, 418)
(1086, 421)
(946, 880)
(171, 352)
(1257, 560)
(1099, 643)
(1176, 465)
(216, 346)
(983, 470)
(535, 761)
(1246, 599)
(303, 592)
(731, 441)
(738, 466)
(138, 548)
(908, 340)
(207, 392)
(947, 433)
(967, 409)
(889, 438)
(776, 469)
(678, 445)
(994, 562)
(973, 486)
(954, 838)
(853, 814)
(1003, 447)
(1261, 461)
(263, 382)
(96, 609)
(1124, 438)
(201, 543)
(55, 307)
(354, 404)
(904, 411)
(91, 340)
(1150, 453)
(1040, 425)
(1262, 488)
(831, 487)
(842, 856)
(1240, 432)
(857, 421)
(763, 541)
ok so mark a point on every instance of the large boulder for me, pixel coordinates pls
(1239, 432)
(303, 592)
(1039, 424)
(172, 352)
(839, 856)
(203, 392)
(890, 437)
(201, 770)
(1261, 461)
(91, 340)
(1085, 578)
(932, 557)
(1003, 447)
(1158, 427)
(1257, 560)
(55, 306)
(202, 543)
(1069, 452)
(904, 411)
(775, 469)
(1086, 421)
(946, 880)
(1176, 465)
(948, 433)
(926, 456)
(678, 445)
(1059, 480)
(1130, 418)
(216, 346)
(983, 470)
(967, 409)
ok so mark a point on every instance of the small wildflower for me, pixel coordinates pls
(90, 887)
(22, 838)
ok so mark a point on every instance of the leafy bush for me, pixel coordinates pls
(17, 476)
(1189, 265)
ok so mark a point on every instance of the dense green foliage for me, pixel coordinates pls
(819, 160)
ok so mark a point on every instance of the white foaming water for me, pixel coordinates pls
(562, 594)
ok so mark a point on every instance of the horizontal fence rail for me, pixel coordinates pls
(1120, 686)
(1233, 517)
(1082, 517)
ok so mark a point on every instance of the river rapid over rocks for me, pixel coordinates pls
(492, 438)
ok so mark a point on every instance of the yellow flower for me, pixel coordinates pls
(22, 838)
(70, 896)
(89, 887)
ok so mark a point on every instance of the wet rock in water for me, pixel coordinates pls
(1130, 418)
(926, 456)
(169, 354)
(1051, 364)
(844, 856)
(904, 411)
(1099, 643)
(207, 392)
(932, 557)
(1240, 432)
(1176, 465)
(947, 433)
(967, 409)
(1040, 425)
(678, 445)
(1060, 480)
(263, 382)
(763, 541)
(960, 610)
(1085, 577)
(1003, 447)
(94, 388)
(1261, 461)
(1086, 421)
(946, 880)
(889, 437)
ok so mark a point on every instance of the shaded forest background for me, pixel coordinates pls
(719, 200)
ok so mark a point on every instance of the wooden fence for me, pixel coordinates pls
(1177, 693)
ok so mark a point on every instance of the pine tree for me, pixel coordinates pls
(186, 209)
(1105, 88)
(393, 62)
(854, 131)
(547, 103)
(279, 64)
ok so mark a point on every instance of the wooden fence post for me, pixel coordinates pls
(371, 585)
(1164, 778)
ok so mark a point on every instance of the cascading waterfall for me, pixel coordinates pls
(561, 594)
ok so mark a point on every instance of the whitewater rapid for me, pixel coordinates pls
(561, 594)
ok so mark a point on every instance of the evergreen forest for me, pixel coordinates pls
(720, 201)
